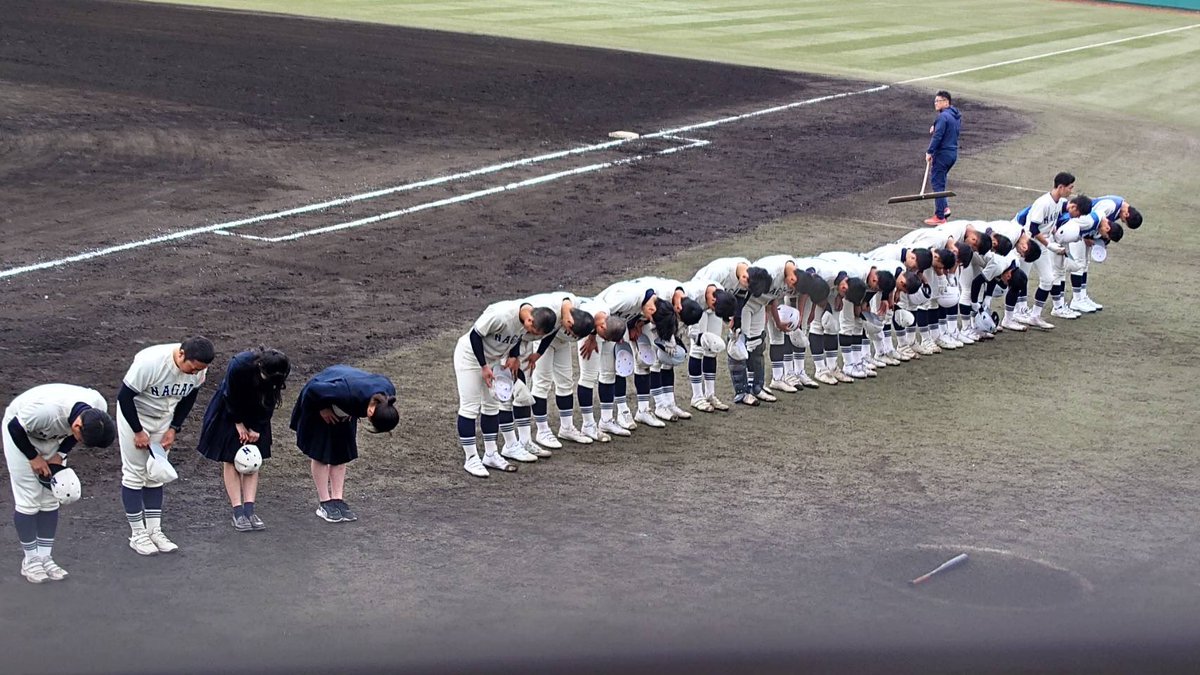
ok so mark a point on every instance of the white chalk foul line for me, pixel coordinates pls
(546, 178)
(1003, 185)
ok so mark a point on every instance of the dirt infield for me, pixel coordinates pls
(121, 122)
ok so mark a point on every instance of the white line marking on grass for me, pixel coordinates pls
(1049, 54)
(879, 224)
(1003, 185)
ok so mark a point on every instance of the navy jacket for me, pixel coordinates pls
(945, 133)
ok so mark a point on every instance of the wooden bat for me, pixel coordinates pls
(956, 561)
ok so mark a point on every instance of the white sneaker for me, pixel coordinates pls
(53, 571)
(680, 412)
(826, 377)
(793, 379)
(33, 570)
(855, 371)
(1092, 302)
(922, 348)
(942, 343)
(1064, 312)
(140, 542)
(1078, 304)
(967, 337)
(1039, 322)
(1012, 324)
(648, 419)
(475, 467)
(611, 427)
(495, 461)
(890, 360)
(1027, 318)
(876, 362)
(749, 400)
(626, 420)
(841, 376)
(546, 439)
(537, 450)
(868, 370)
(573, 434)
(903, 354)
(517, 453)
(782, 385)
(161, 542)
(663, 413)
(767, 396)
(594, 433)
(703, 405)
(717, 404)
(933, 347)
(802, 378)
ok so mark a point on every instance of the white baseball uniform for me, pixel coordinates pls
(501, 331)
(44, 412)
(160, 385)
(555, 366)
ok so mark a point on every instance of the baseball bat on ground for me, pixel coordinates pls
(950, 564)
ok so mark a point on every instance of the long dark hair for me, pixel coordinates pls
(273, 370)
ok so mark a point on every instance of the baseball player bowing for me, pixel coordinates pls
(858, 363)
(576, 320)
(1102, 225)
(689, 311)
(706, 339)
(493, 342)
(41, 426)
(156, 396)
(637, 304)
(733, 275)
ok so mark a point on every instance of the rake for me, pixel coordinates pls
(923, 194)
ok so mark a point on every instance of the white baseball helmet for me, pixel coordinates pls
(711, 343)
(623, 359)
(248, 459)
(66, 487)
(830, 323)
(502, 385)
(645, 349)
(798, 338)
(1099, 252)
(737, 348)
(521, 396)
(948, 297)
(904, 318)
(158, 467)
(671, 354)
(789, 315)
(985, 322)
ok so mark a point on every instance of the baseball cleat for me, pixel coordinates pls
(257, 523)
(767, 396)
(944, 343)
(34, 571)
(347, 515)
(792, 379)
(802, 379)
(748, 399)
(782, 385)
(856, 372)
(1064, 313)
(495, 461)
(841, 376)
(591, 431)
(572, 434)
(1012, 324)
(966, 337)
(1039, 322)
(717, 404)
(663, 413)
(517, 453)
(53, 571)
(625, 419)
(680, 412)
(922, 348)
(649, 419)
(546, 439)
(1027, 318)
(161, 541)
(611, 427)
(472, 466)
(140, 542)
(703, 405)
(537, 450)
(1087, 298)
(242, 523)
(826, 377)
(890, 360)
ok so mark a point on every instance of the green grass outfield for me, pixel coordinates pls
(1153, 78)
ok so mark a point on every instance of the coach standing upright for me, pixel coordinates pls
(943, 151)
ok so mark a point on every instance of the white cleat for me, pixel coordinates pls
(1039, 322)
(890, 360)
(572, 434)
(161, 542)
(664, 413)
(826, 377)
(841, 376)
(34, 571)
(876, 362)
(680, 412)
(53, 571)
(717, 404)
(767, 396)
(1012, 324)
(1079, 304)
(1027, 318)
(593, 432)
(868, 370)
(518, 453)
(703, 405)
(922, 348)
(537, 450)
(802, 378)
(1092, 302)
(611, 427)
(140, 542)
(783, 385)
(792, 379)
(546, 439)
(495, 461)
(904, 354)
(967, 337)
(1064, 312)
(855, 371)
(626, 420)
(475, 467)
(749, 400)
(646, 417)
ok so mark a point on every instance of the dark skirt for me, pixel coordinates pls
(327, 443)
(219, 436)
